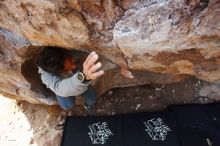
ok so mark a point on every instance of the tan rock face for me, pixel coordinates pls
(160, 41)
(172, 37)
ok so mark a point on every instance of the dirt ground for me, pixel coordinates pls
(25, 124)
(151, 97)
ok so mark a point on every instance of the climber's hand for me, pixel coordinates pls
(90, 67)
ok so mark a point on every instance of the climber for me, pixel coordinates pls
(68, 76)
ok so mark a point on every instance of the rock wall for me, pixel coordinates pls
(159, 41)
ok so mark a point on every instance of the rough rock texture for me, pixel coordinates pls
(160, 41)
(38, 122)
(25, 124)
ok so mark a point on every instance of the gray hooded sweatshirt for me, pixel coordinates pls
(64, 87)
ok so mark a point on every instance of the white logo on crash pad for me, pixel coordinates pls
(99, 133)
(156, 129)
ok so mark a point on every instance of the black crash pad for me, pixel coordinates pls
(183, 125)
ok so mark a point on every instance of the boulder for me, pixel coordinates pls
(159, 41)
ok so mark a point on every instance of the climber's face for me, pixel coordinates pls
(69, 64)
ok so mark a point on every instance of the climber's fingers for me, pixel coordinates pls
(96, 74)
(90, 67)
(95, 67)
(90, 60)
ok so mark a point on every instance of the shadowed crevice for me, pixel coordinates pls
(29, 70)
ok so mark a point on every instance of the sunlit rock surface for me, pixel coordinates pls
(159, 41)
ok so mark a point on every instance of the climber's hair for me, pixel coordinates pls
(52, 59)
